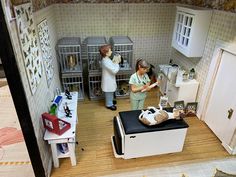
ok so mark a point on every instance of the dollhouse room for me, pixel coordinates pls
(171, 110)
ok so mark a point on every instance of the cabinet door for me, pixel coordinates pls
(222, 99)
(184, 23)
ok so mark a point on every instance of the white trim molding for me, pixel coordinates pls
(229, 149)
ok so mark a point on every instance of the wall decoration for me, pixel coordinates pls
(46, 49)
(29, 44)
(179, 105)
(191, 109)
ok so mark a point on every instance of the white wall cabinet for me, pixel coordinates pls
(182, 90)
(190, 31)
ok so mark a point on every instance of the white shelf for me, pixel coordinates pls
(68, 137)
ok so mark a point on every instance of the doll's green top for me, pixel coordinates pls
(138, 81)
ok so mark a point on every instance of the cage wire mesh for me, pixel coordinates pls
(95, 90)
(122, 80)
(69, 52)
(94, 58)
(74, 83)
(123, 45)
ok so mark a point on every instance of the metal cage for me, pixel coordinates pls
(94, 58)
(95, 90)
(124, 46)
(74, 82)
(122, 80)
(69, 51)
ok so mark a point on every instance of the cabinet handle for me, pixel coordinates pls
(230, 113)
(132, 137)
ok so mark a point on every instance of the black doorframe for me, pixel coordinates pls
(19, 98)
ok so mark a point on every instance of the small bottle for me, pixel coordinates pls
(191, 74)
(53, 109)
(185, 76)
(164, 100)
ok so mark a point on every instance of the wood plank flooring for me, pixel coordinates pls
(94, 152)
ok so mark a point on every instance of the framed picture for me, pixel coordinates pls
(191, 109)
(179, 105)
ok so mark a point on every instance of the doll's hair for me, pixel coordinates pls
(104, 49)
(142, 63)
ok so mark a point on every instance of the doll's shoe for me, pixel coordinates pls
(114, 102)
(113, 107)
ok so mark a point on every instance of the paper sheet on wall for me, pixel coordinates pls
(29, 44)
(44, 40)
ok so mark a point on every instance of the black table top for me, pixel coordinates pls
(133, 125)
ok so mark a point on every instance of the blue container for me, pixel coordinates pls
(57, 100)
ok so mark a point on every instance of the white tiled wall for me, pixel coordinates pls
(45, 94)
(148, 25)
(222, 27)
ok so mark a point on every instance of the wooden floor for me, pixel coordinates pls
(94, 152)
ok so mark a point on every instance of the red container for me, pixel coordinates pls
(54, 124)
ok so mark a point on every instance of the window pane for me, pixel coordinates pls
(186, 20)
(188, 32)
(186, 42)
(190, 21)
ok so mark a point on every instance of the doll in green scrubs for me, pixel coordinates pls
(138, 82)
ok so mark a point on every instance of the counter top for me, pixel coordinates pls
(174, 75)
(72, 104)
(179, 82)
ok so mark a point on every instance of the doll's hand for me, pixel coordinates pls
(116, 59)
(148, 88)
(145, 88)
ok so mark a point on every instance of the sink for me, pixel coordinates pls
(169, 71)
(172, 73)
(164, 69)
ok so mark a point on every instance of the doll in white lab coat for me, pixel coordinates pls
(109, 70)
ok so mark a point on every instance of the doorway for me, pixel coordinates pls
(220, 95)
